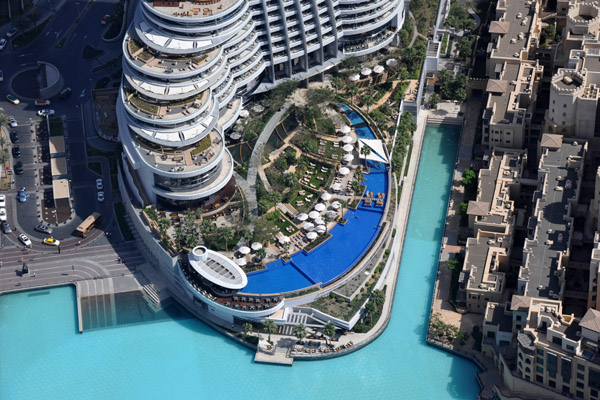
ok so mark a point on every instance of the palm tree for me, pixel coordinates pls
(300, 331)
(163, 225)
(358, 175)
(329, 330)
(353, 91)
(206, 227)
(378, 297)
(152, 214)
(2, 142)
(247, 327)
(365, 151)
(368, 100)
(370, 309)
(225, 234)
(337, 83)
(269, 328)
(179, 237)
(327, 219)
(343, 203)
(261, 253)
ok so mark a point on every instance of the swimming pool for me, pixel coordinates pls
(332, 259)
(355, 118)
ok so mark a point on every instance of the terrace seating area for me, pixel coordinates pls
(193, 8)
(311, 347)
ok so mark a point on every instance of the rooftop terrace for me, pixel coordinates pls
(192, 8)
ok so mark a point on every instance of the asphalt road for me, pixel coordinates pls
(78, 74)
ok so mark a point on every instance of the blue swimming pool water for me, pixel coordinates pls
(333, 258)
(42, 356)
(355, 118)
(365, 132)
(344, 107)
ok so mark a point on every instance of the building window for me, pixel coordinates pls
(557, 340)
(518, 317)
(580, 385)
(580, 376)
(581, 367)
(540, 369)
(566, 390)
(518, 326)
(540, 352)
(527, 361)
(539, 378)
(552, 384)
(564, 106)
(564, 114)
(579, 394)
(594, 392)
(571, 348)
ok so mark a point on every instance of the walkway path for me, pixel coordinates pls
(415, 31)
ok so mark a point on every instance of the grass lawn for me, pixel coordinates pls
(282, 222)
(408, 159)
(308, 202)
(328, 150)
(29, 36)
(317, 173)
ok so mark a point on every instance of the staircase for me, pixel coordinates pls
(154, 294)
(292, 320)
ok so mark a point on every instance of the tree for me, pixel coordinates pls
(264, 205)
(352, 91)
(290, 180)
(469, 178)
(261, 253)
(368, 100)
(3, 119)
(152, 214)
(434, 100)
(247, 327)
(370, 309)
(225, 234)
(452, 264)
(300, 331)
(269, 328)
(365, 151)
(378, 297)
(179, 238)
(465, 47)
(358, 175)
(206, 227)
(337, 83)
(343, 204)
(329, 330)
(163, 225)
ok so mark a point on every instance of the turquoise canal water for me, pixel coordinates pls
(43, 357)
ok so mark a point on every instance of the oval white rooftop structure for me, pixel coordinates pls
(217, 268)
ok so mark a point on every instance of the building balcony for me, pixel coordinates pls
(191, 10)
(359, 48)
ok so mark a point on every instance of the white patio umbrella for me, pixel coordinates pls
(302, 217)
(235, 136)
(344, 171)
(366, 71)
(313, 215)
(326, 196)
(354, 77)
(320, 229)
(335, 205)
(319, 221)
(284, 239)
(331, 214)
(348, 157)
(244, 250)
(241, 262)
(378, 69)
(244, 114)
(256, 246)
(336, 187)
(392, 62)
(308, 227)
(348, 148)
(346, 139)
(345, 129)
(320, 207)
(311, 235)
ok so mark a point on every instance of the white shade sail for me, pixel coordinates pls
(244, 250)
(348, 148)
(354, 77)
(302, 217)
(256, 246)
(345, 129)
(331, 214)
(241, 262)
(366, 71)
(311, 235)
(346, 139)
(348, 157)
(320, 207)
(344, 171)
(392, 62)
(326, 196)
(378, 69)
(319, 221)
(320, 229)
(313, 214)
(284, 239)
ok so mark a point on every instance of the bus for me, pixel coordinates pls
(88, 224)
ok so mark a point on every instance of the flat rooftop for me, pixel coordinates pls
(501, 100)
(550, 222)
(481, 255)
(518, 18)
(192, 8)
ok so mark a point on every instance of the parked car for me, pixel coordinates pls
(2, 200)
(51, 241)
(22, 196)
(44, 229)
(42, 102)
(2, 214)
(45, 112)
(16, 151)
(14, 137)
(65, 92)
(25, 240)
(101, 197)
(12, 121)
(2, 43)
(11, 32)
(19, 168)
(99, 184)
(6, 228)
(12, 98)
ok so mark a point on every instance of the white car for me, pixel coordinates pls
(45, 112)
(25, 240)
(2, 214)
(99, 184)
(2, 200)
(101, 197)
(12, 122)
(2, 43)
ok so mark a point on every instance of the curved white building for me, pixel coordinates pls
(188, 65)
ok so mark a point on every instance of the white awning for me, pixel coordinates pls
(377, 150)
